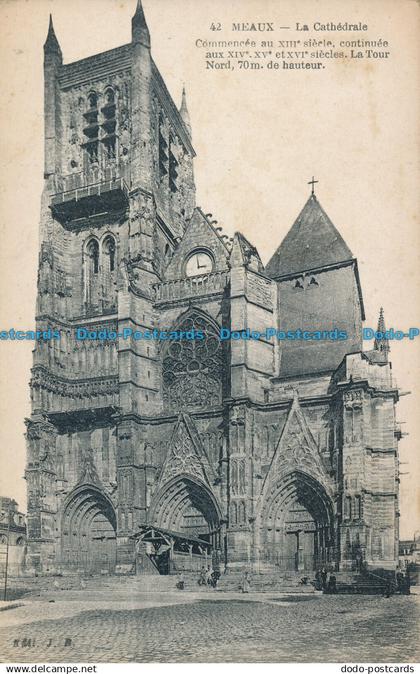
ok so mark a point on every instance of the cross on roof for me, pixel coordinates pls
(312, 182)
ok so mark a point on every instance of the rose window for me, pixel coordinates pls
(192, 368)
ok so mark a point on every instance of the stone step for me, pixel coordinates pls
(344, 588)
(347, 583)
(144, 583)
(265, 583)
(127, 585)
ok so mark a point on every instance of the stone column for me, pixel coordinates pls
(41, 478)
(300, 550)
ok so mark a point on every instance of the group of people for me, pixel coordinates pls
(401, 584)
(209, 576)
(326, 581)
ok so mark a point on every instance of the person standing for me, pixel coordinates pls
(407, 582)
(400, 581)
(202, 578)
(388, 588)
(332, 584)
(246, 583)
(215, 578)
(181, 581)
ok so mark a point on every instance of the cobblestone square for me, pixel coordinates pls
(175, 627)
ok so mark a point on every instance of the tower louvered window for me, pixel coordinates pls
(91, 129)
(109, 124)
(173, 167)
(163, 150)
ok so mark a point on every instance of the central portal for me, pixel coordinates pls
(186, 508)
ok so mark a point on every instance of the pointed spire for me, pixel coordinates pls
(236, 257)
(51, 45)
(243, 253)
(183, 111)
(381, 343)
(139, 29)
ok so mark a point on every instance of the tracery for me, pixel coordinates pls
(192, 368)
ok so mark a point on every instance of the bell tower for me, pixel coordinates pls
(118, 193)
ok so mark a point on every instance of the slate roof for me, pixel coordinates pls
(312, 242)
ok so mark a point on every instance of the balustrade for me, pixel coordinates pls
(84, 194)
(84, 179)
(190, 287)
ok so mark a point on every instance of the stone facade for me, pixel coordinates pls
(12, 538)
(278, 453)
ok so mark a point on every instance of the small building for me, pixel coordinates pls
(409, 552)
(12, 537)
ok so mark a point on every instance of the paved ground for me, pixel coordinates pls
(176, 627)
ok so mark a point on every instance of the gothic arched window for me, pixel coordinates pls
(93, 100)
(331, 438)
(108, 249)
(358, 507)
(108, 266)
(92, 250)
(91, 272)
(192, 368)
(347, 508)
(233, 513)
(109, 96)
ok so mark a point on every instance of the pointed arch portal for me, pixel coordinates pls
(88, 539)
(296, 529)
(187, 506)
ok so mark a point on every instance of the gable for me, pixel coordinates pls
(186, 454)
(296, 450)
(199, 235)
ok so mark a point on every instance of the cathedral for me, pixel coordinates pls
(152, 455)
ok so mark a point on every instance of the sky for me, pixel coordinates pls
(259, 137)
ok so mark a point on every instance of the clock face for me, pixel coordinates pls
(199, 263)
